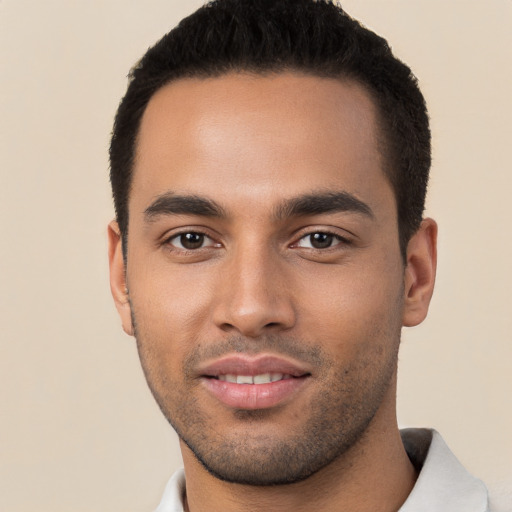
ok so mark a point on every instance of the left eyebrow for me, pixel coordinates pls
(322, 202)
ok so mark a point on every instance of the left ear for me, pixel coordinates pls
(420, 273)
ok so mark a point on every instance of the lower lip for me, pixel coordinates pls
(254, 396)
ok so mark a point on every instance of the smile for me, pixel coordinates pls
(262, 378)
(250, 383)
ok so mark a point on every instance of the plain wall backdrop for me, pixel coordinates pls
(79, 430)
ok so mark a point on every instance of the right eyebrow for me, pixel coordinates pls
(173, 204)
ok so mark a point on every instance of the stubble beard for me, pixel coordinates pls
(335, 420)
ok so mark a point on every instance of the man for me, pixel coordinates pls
(269, 164)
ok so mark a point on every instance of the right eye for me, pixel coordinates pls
(190, 241)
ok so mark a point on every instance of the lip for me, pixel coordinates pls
(253, 396)
(240, 364)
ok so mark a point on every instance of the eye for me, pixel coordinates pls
(320, 240)
(190, 241)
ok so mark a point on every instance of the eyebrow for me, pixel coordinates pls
(322, 202)
(173, 204)
(308, 204)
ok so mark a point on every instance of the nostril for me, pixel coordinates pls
(227, 327)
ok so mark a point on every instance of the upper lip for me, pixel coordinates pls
(238, 364)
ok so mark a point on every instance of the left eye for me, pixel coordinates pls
(190, 241)
(319, 240)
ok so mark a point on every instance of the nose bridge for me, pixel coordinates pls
(254, 297)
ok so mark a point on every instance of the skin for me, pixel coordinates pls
(256, 284)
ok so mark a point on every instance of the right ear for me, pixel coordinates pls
(118, 277)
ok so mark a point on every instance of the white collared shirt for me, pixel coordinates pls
(443, 485)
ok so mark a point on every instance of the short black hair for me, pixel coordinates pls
(315, 37)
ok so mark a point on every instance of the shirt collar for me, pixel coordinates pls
(443, 484)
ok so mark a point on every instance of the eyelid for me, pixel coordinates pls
(344, 238)
(336, 241)
(169, 237)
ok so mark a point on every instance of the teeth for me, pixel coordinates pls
(263, 378)
(244, 379)
(227, 378)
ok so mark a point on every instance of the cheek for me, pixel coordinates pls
(170, 310)
(354, 311)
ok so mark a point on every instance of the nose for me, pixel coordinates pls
(253, 294)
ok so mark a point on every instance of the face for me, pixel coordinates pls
(264, 280)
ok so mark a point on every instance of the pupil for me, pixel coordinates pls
(321, 240)
(192, 240)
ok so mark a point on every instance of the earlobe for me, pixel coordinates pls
(118, 277)
(420, 273)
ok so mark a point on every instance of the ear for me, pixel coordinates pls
(420, 273)
(118, 277)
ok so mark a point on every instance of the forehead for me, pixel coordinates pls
(258, 135)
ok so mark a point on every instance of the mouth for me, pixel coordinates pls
(240, 382)
(262, 378)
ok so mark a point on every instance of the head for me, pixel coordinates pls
(263, 36)
(269, 162)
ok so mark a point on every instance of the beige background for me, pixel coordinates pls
(78, 428)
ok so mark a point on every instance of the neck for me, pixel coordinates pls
(374, 474)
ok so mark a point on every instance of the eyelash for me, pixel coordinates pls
(340, 240)
(177, 236)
